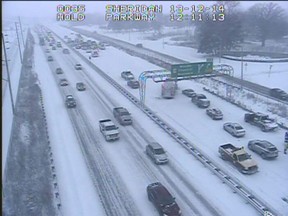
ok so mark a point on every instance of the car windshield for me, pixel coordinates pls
(168, 200)
(272, 149)
(124, 112)
(202, 97)
(159, 151)
(243, 157)
(238, 127)
(111, 127)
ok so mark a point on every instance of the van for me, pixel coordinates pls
(157, 153)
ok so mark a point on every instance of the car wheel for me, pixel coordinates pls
(223, 157)
(263, 129)
(250, 147)
(155, 161)
(263, 155)
(149, 198)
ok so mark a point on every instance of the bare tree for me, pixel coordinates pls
(219, 36)
(269, 21)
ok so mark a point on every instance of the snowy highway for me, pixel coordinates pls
(92, 173)
(181, 117)
(98, 116)
(80, 139)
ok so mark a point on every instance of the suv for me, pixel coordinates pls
(264, 148)
(156, 152)
(162, 200)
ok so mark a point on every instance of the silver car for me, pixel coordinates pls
(264, 148)
(234, 129)
(214, 113)
(156, 152)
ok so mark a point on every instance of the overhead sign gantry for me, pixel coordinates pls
(182, 72)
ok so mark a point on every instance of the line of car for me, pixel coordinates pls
(158, 193)
(90, 46)
(130, 78)
(200, 100)
(263, 147)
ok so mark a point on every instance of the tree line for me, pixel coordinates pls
(260, 22)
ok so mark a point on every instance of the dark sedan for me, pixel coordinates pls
(188, 92)
(134, 84)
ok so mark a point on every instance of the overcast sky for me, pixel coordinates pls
(49, 8)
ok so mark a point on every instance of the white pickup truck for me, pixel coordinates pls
(109, 129)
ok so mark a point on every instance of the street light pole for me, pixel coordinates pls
(21, 32)
(18, 43)
(242, 63)
(8, 75)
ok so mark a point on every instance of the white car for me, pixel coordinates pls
(234, 129)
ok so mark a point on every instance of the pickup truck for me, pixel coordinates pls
(200, 100)
(109, 129)
(261, 120)
(122, 115)
(239, 157)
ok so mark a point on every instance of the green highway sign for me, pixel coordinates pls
(191, 69)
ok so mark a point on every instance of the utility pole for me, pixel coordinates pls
(19, 43)
(242, 63)
(8, 75)
(21, 32)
